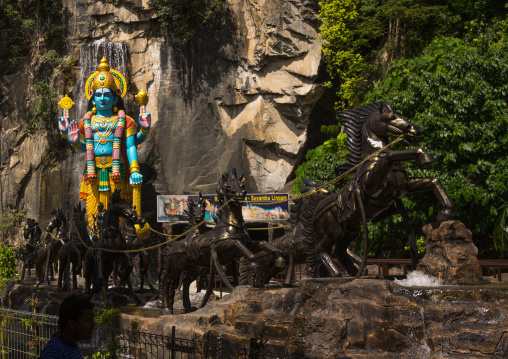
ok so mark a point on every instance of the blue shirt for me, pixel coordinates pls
(56, 348)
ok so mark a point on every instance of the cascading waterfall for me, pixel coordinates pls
(89, 57)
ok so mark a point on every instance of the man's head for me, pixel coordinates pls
(76, 317)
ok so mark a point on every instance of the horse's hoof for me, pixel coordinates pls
(444, 215)
(280, 262)
(426, 160)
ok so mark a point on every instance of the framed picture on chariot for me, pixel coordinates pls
(258, 207)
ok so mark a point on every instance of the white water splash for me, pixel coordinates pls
(419, 279)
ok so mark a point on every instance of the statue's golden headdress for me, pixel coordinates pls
(105, 77)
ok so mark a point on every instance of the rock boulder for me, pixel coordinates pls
(451, 255)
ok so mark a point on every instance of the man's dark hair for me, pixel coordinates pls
(71, 308)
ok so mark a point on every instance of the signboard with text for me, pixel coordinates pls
(258, 207)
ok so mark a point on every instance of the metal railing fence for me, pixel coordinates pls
(24, 334)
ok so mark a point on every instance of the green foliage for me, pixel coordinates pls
(98, 355)
(24, 24)
(345, 64)
(322, 161)
(182, 18)
(456, 93)
(106, 315)
(362, 36)
(10, 222)
(51, 57)
(44, 103)
(8, 268)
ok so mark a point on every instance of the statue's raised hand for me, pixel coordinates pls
(145, 119)
(136, 178)
(63, 123)
(73, 133)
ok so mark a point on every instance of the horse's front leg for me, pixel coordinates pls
(280, 262)
(243, 248)
(434, 184)
(382, 168)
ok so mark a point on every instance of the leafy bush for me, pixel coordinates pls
(361, 37)
(44, 102)
(10, 222)
(456, 93)
(8, 268)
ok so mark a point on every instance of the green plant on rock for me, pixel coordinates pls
(8, 269)
(44, 103)
(182, 18)
(10, 223)
(52, 58)
(105, 318)
(362, 37)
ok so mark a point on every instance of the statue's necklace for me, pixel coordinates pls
(104, 132)
(103, 122)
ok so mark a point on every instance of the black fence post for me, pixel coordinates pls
(173, 335)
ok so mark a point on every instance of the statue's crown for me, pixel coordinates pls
(105, 77)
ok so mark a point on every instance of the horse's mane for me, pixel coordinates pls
(352, 121)
(296, 209)
(116, 197)
(59, 213)
(191, 212)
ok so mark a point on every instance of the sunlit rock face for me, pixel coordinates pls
(239, 95)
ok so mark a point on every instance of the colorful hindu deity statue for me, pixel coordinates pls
(109, 138)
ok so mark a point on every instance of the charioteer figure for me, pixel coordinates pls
(109, 138)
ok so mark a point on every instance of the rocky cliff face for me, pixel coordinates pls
(241, 95)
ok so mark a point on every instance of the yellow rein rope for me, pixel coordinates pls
(292, 199)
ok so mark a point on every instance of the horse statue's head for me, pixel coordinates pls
(57, 220)
(369, 127)
(79, 213)
(117, 207)
(196, 210)
(29, 225)
(386, 123)
(232, 187)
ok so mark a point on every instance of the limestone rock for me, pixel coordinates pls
(451, 255)
(240, 95)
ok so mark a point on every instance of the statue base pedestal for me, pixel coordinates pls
(341, 317)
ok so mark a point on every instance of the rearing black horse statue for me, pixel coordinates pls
(380, 182)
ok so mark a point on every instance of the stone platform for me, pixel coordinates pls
(364, 318)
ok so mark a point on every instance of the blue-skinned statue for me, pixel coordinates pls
(108, 137)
